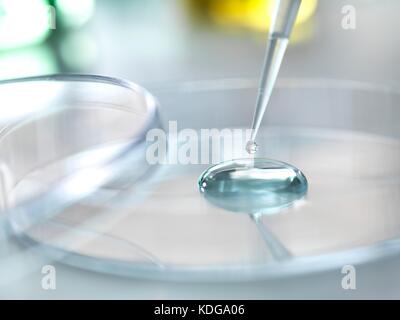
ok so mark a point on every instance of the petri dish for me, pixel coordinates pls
(63, 137)
(344, 137)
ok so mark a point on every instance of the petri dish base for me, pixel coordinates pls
(344, 137)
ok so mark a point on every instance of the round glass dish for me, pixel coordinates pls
(344, 136)
(63, 137)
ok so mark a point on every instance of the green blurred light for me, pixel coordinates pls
(75, 12)
(34, 60)
(78, 42)
(23, 22)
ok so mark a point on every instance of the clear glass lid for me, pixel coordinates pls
(65, 136)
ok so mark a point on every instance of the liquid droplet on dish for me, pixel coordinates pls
(251, 147)
(253, 185)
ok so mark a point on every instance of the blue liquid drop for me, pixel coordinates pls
(253, 186)
(251, 147)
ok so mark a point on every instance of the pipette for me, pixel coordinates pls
(282, 23)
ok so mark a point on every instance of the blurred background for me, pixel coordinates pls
(159, 42)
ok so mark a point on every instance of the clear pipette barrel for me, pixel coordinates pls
(282, 23)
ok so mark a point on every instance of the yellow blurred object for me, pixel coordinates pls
(254, 14)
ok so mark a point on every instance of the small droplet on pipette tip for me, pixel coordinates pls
(251, 147)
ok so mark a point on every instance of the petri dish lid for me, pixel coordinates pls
(63, 137)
